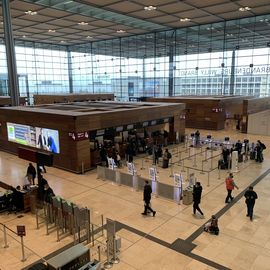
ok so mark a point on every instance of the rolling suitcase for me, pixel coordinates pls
(222, 165)
(252, 155)
(240, 158)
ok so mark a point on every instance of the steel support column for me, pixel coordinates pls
(11, 57)
(232, 74)
(171, 70)
(70, 77)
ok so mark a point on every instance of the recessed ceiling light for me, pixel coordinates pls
(51, 31)
(184, 19)
(83, 23)
(30, 12)
(24, 36)
(150, 8)
(1, 22)
(121, 31)
(62, 41)
(244, 9)
(89, 37)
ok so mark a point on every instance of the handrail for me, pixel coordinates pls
(8, 228)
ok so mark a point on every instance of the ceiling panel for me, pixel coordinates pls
(62, 23)
(205, 3)
(146, 14)
(165, 19)
(36, 18)
(128, 15)
(24, 6)
(154, 2)
(101, 3)
(174, 7)
(102, 23)
(125, 7)
(228, 7)
(22, 23)
(56, 13)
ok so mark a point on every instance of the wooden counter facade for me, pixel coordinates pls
(6, 101)
(207, 112)
(75, 119)
(251, 106)
(63, 98)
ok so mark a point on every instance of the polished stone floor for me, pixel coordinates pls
(173, 239)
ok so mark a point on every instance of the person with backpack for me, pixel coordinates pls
(212, 226)
(166, 158)
(263, 147)
(259, 154)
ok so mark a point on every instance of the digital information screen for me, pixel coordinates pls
(42, 138)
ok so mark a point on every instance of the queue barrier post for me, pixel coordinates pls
(5, 236)
(23, 253)
(108, 264)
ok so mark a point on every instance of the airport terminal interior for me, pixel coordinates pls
(105, 101)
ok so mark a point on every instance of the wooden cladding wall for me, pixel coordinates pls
(207, 113)
(50, 99)
(6, 101)
(75, 154)
(253, 106)
(64, 124)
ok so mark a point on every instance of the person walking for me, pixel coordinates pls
(147, 199)
(250, 196)
(230, 185)
(197, 193)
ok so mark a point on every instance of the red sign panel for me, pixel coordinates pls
(78, 136)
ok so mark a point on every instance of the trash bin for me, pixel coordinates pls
(188, 196)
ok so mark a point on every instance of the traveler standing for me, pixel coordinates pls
(166, 158)
(230, 184)
(147, 199)
(250, 196)
(259, 154)
(197, 138)
(31, 173)
(197, 193)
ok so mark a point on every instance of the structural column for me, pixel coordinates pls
(232, 74)
(171, 71)
(70, 78)
(11, 57)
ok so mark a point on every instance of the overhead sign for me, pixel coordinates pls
(79, 136)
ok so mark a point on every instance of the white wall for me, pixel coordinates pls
(259, 123)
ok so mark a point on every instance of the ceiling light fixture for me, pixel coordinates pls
(83, 23)
(184, 19)
(24, 36)
(244, 9)
(30, 12)
(89, 37)
(62, 41)
(51, 31)
(121, 31)
(150, 8)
